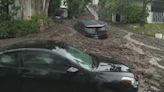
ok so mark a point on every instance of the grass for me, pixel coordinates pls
(147, 29)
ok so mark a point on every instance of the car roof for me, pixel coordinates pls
(42, 44)
(92, 23)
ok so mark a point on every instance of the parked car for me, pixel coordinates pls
(57, 17)
(50, 66)
(92, 28)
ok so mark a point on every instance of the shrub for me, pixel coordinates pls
(8, 9)
(75, 7)
(42, 20)
(134, 14)
(54, 7)
(4, 32)
(16, 28)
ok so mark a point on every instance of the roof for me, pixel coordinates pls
(158, 6)
(93, 23)
(45, 44)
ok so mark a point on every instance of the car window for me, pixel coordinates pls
(90, 30)
(8, 60)
(44, 60)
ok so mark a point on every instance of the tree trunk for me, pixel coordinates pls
(45, 7)
(30, 8)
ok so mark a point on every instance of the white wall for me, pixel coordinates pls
(158, 17)
(63, 4)
(150, 18)
(113, 18)
(155, 17)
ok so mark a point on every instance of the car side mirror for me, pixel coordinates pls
(72, 70)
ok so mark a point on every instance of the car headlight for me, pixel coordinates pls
(130, 81)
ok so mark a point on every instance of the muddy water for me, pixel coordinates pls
(137, 46)
(132, 44)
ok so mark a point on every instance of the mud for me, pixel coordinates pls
(136, 51)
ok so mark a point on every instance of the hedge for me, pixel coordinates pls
(10, 29)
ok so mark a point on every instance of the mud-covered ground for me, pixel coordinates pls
(143, 54)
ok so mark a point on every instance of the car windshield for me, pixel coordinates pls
(75, 55)
(83, 59)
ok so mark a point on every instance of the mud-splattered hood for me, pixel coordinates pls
(110, 70)
(106, 64)
(110, 67)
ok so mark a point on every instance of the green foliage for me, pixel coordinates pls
(131, 10)
(4, 32)
(54, 7)
(75, 7)
(42, 20)
(147, 29)
(10, 29)
(113, 7)
(7, 9)
(134, 14)
(116, 6)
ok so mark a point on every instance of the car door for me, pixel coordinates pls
(81, 81)
(43, 71)
(9, 72)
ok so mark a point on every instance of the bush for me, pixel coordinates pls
(4, 32)
(8, 9)
(16, 28)
(134, 14)
(42, 20)
(75, 7)
(54, 7)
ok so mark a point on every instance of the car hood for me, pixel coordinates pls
(110, 67)
(110, 70)
(107, 64)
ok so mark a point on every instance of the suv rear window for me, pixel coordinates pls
(96, 28)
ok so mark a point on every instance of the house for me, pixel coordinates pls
(64, 4)
(156, 12)
(64, 8)
(118, 18)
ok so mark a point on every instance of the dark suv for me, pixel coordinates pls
(92, 28)
(48, 66)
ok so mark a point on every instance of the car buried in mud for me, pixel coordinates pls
(50, 66)
(92, 28)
